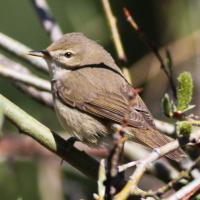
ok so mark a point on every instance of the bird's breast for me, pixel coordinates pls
(82, 125)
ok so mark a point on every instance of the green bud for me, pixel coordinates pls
(184, 128)
(167, 106)
(184, 92)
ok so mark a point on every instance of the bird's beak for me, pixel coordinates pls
(42, 53)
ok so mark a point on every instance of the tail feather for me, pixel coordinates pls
(153, 139)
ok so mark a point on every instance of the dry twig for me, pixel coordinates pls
(141, 167)
(48, 22)
(28, 79)
(187, 191)
(41, 96)
(21, 51)
(183, 174)
(166, 67)
(116, 37)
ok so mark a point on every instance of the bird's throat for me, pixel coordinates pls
(56, 71)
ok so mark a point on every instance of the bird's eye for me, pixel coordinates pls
(68, 54)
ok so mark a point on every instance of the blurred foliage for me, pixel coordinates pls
(163, 21)
(197, 197)
(14, 182)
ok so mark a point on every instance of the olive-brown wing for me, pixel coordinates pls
(112, 106)
(115, 106)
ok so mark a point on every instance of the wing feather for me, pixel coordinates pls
(108, 105)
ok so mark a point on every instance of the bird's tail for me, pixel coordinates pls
(153, 139)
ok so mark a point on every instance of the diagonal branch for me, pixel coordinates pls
(186, 192)
(56, 144)
(28, 79)
(112, 22)
(142, 166)
(48, 22)
(21, 51)
(42, 96)
(165, 66)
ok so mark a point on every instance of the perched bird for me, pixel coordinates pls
(91, 94)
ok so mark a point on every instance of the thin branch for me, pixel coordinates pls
(165, 127)
(188, 51)
(113, 160)
(193, 186)
(114, 30)
(41, 96)
(21, 51)
(56, 144)
(157, 167)
(164, 66)
(128, 165)
(48, 22)
(183, 174)
(145, 195)
(116, 37)
(29, 79)
(142, 166)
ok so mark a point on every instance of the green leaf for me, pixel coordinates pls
(167, 106)
(184, 128)
(184, 92)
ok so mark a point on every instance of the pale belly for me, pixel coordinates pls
(82, 125)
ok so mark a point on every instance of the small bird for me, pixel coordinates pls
(91, 95)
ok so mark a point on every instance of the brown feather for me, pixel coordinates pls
(98, 98)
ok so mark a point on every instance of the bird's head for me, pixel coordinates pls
(75, 50)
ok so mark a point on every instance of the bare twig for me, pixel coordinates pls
(48, 22)
(164, 127)
(186, 191)
(166, 67)
(65, 149)
(114, 30)
(116, 37)
(182, 174)
(41, 96)
(101, 181)
(124, 167)
(25, 78)
(112, 162)
(141, 167)
(182, 50)
(140, 153)
(145, 195)
(21, 51)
